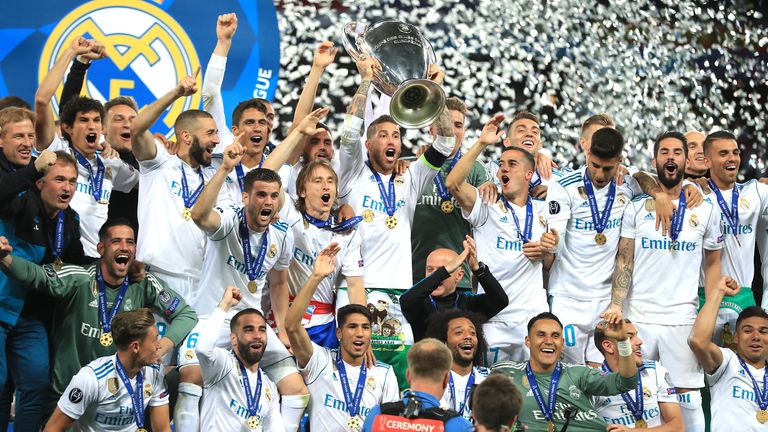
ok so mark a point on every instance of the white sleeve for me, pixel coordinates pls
(628, 221)
(82, 391)
(228, 221)
(728, 356)
(274, 418)
(666, 391)
(479, 213)
(391, 391)
(160, 395)
(126, 178)
(161, 156)
(58, 144)
(422, 173)
(633, 186)
(559, 211)
(762, 194)
(352, 262)
(713, 236)
(351, 155)
(320, 359)
(212, 100)
(214, 361)
(286, 253)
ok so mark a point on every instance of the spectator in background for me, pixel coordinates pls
(496, 402)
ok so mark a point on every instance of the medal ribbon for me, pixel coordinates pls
(440, 182)
(137, 395)
(241, 174)
(470, 383)
(107, 315)
(599, 221)
(96, 181)
(387, 196)
(352, 401)
(549, 409)
(252, 399)
(58, 236)
(678, 217)
(252, 266)
(635, 406)
(761, 396)
(190, 200)
(455, 303)
(330, 223)
(525, 236)
(732, 216)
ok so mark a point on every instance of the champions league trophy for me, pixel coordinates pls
(404, 55)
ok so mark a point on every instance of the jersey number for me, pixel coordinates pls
(569, 334)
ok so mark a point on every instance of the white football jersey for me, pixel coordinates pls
(118, 176)
(492, 169)
(734, 405)
(762, 244)
(500, 248)
(583, 269)
(456, 400)
(224, 263)
(289, 174)
(166, 240)
(230, 194)
(328, 410)
(98, 401)
(657, 387)
(665, 281)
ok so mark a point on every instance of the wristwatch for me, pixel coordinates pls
(482, 269)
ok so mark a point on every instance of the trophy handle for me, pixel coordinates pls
(350, 38)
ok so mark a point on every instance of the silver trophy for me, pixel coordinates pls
(404, 55)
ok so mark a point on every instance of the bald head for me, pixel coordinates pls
(443, 258)
(696, 164)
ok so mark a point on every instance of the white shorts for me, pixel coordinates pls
(668, 344)
(506, 341)
(184, 286)
(277, 362)
(579, 318)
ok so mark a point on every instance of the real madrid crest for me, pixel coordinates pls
(582, 192)
(147, 390)
(693, 221)
(108, 173)
(370, 383)
(272, 251)
(744, 203)
(189, 355)
(268, 394)
(542, 221)
(646, 393)
(621, 199)
(399, 180)
(94, 288)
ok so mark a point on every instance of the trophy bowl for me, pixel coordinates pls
(404, 55)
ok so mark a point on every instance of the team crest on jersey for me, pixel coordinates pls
(189, 355)
(399, 180)
(621, 199)
(272, 251)
(693, 221)
(147, 390)
(112, 385)
(94, 288)
(647, 393)
(108, 173)
(582, 192)
(744, 203)
(543, 221)
(554, 207)
(128, 305)
(146, 49)
(268, 394)
(165, 297)
(650, 205)
(370, 383)
(574, 392)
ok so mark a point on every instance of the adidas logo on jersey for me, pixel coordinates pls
(504, 219)
(649, 216)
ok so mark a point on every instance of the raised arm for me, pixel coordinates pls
(203, 214)
(301, 344)
(664, 206)
(213, 103)
(622, 280)
(707, 352)
(142, 141)
(308, 127)
(325, 53)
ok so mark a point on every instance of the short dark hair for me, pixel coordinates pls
(131, 326)
(496, 401)
(79, 104)
(670, 134)
(437, 327)
(65, 158)
(186, 119)
(113, 222)
(600, 336)
(121, 100)
(528, 156)
(260, 174)
(544, 316)
(607, 143)
(345, 311)
(597, 120)
(301, 180)
(14, 101)
(371, 131)
(751, 312)
(717, 135)
(248, 311)
(253, 103)
(523, 115)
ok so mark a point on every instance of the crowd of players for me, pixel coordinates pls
(279, 279)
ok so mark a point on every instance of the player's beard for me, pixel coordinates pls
(669, 182)
(248, 355)
(197, 152)
(458, 358)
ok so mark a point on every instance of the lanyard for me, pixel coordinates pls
(137, 395)
(678, 217)
(731, 215)
(467, 390)
(330, 223)
(635, 406)
(599, 221)
(252, 266)
(96, 181)
(388, 195)
(442, 190)
(761, 395)
(58, 236)
(106, 315)
(549, 408)
(252, 399)
(525, 236)
(241, 173)
(455, 302)
(352, 401)
(190, 200)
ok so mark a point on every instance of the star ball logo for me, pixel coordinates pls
(149, 53)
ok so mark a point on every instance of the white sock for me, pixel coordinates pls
(693, 414)
(186, 416)
(292, 409)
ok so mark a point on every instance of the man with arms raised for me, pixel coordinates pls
(238, 396)
(513, 239)
(655, 279)
(652, 404)
(343, 387)
(115, 392)
(737, 379)
(557, 391)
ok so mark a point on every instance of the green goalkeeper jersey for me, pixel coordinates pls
(76, 326)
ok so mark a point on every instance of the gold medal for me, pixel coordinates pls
(253, 422)
(252, 286)
(391, 222)
(640, 423)
(368, 215)
(354, 423)
(550, 426)
(600, 239)
(446, 206)
(187, 214)
(103, 202)
(57, 263)
(106, 339)
(762, 416)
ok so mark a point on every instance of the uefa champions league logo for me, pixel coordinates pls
(148, 52)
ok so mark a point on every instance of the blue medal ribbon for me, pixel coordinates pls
(635, 406)
(331, 224)
(137, 394)
(455, 303)
(761, 395)
(678, 217)
(442, 190)
(599, 221)
(549, 408)
(241, 173)
(96, 181)
(387, 195)
(106, 315)
(731, 215)
(252, 266)
(251, 399)
(190, 199)
(352, 401)
(525, 236)
(467, 390)
(58, 235)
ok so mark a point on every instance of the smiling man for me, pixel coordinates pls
(89, 297)
(696, 165)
